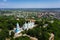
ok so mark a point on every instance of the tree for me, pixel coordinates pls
(22, 38)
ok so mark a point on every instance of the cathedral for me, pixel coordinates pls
(25, 26)
(28, 25)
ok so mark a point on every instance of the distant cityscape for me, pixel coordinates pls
(30, 12)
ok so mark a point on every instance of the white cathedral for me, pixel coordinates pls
(26, 26)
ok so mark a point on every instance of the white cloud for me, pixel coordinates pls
(5, 0)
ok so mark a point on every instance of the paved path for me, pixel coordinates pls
(32, 38)
(51, 36)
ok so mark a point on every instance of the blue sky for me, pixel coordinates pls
(29, 3)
